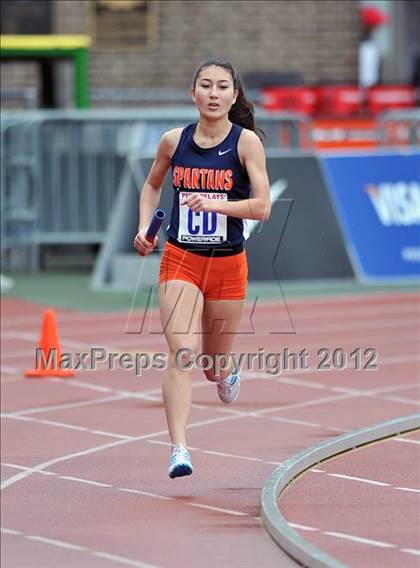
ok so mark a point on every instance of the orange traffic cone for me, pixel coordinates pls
(49, 352)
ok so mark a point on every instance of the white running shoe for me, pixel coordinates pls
(180, 462)
(228, 389)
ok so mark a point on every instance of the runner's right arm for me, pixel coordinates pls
(152, 188)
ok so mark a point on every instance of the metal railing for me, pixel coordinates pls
(61, 170)
(399, 127)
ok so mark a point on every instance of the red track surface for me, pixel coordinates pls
(98, 492)
(362, 507)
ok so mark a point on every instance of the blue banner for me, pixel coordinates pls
(377, 201)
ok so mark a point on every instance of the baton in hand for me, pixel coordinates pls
(155, 223)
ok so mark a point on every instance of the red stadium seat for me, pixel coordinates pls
(338, 100)
(296, 99)
(387, 97)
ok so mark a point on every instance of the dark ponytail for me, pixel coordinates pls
(242, 112)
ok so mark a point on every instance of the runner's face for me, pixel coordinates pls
(214, 93)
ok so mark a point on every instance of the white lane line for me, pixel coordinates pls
(61, 425)
(247, 376)
(303, 404)
(302, 527)
(316, 470)
(377, 392)
(59, 543)
(8, 531)
(22, 418)
(298, 422)
(69, 426)
(227, 511)
(415, 551)
(217, 409)
(107, 485)
(18, 353)
(34, 337)
(211, 452)
(406, 441)
(310, 345)
(218, 509)
(121, 560)
(9, 370)
(88, 481)
(150, 338)
(354, 538)
(362, 540)
(153, 495)
(322, 314)
(141, 396)
(315, 311)
(146, 494)
(212, 421)
(402, 300)
(221, 454)
(399, 359)
(314, 370)
(162, 443)
(365, 480)
(361, 479)
(308, 424)
(23, 468)
(88, 385)
(68, 317)
(14, 479)
(402, 400)
(117, 395)
(227, 410)
(357, 326)
(393, 388)
(99, 448)
(156, 340)
(252, 375)
(71, 546)
(225, 455)
(67, 405)
(112, 435)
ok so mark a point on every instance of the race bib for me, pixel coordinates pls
(201, 227)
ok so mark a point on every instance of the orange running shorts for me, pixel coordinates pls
(218, 278)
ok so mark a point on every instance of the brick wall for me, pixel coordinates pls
(317, 38)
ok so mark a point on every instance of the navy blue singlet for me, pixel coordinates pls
(216, 173)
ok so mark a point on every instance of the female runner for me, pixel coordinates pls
(219, 179)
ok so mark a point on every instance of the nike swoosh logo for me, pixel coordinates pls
(224, 152)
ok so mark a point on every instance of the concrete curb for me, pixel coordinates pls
(276, 525)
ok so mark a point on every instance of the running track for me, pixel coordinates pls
(84, 459)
